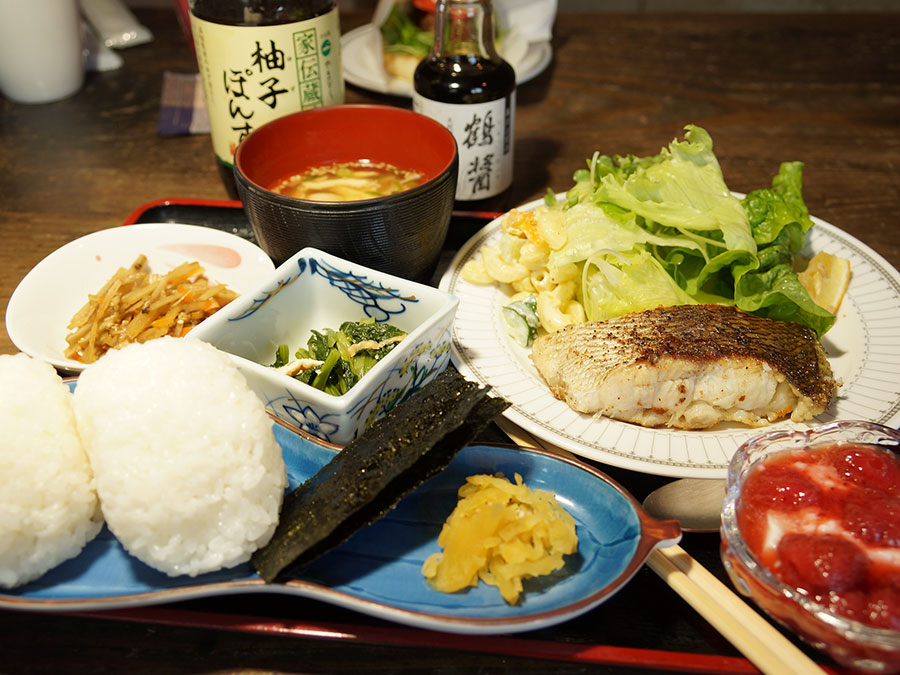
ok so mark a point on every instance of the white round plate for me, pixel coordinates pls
(361, 71)
(863, 348)
(44, 302)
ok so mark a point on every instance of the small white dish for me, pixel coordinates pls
(48, 296)
(314, 290)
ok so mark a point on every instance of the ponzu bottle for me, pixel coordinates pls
(263, 59)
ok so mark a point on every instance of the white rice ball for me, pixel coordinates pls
(188, 471)
(48, 507)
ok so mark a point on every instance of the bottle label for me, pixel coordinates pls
(484, 139)
(254, 74)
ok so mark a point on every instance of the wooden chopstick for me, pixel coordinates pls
(750, 633)
(522, 438)
(737, 622)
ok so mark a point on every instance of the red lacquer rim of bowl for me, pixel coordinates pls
(345, 133)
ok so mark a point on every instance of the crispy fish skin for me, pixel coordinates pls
(688, 367)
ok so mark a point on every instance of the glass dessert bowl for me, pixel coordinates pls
(811, 533)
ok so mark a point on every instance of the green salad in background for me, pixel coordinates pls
(400, 33)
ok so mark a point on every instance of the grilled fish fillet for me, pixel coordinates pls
(689, 367)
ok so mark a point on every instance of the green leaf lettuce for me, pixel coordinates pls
(665, 229)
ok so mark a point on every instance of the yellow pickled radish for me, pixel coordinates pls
(826, 278)
(500, 533)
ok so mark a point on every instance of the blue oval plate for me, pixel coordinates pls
(378, 570)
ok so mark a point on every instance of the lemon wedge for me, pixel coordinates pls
(825, 279)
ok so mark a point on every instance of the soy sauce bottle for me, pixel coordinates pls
(263, 59)
(465, 85)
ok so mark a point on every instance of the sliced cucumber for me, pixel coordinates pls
(522, 320)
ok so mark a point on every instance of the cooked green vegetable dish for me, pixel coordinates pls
(335, 360)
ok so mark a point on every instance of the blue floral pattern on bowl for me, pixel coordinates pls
(377, 300)
(391, 389)
(314, 290)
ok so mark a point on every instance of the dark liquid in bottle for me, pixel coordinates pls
(259, 12)
(464, 79)
(467, 78)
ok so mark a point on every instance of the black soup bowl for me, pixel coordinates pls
(400, 233)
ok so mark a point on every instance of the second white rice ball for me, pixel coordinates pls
(187, 469)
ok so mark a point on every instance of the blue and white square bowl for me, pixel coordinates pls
(314, 290)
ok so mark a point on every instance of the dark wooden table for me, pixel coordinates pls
(823, 89)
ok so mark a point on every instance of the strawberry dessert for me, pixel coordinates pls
(826, 521)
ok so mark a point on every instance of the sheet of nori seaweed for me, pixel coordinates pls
(371, 474)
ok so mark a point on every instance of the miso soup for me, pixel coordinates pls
(348, 181)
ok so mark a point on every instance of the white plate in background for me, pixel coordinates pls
(364, 70)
